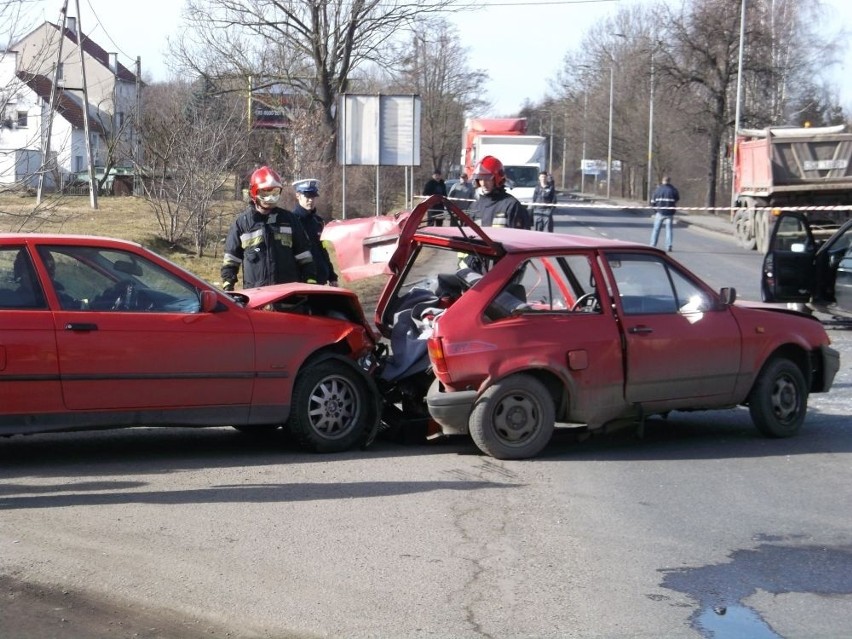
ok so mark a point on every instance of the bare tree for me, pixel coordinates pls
(192, 142)
(312, 46)
(434, 66)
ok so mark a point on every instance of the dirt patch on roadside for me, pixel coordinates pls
(31, 611)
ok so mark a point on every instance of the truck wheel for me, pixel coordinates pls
(761, 232)
(513, 419)
(332, 408)
(779, 400)
(744, 229)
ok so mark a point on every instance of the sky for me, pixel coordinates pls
(520, 42)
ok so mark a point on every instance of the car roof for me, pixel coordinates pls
(522, 241)
(62, 238)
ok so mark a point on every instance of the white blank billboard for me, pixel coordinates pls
(381, 130)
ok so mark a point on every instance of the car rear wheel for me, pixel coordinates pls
(779, 399)
(513, 419)
(332, 407)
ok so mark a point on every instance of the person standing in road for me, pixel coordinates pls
(544, 193)
(306, 193)
(267, 241)
(463, 191)
(435, 186)
(663, 201)
(496, 207)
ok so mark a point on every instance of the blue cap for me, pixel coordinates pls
(308, 187)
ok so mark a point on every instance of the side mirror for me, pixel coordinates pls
(728, 295)
(209, 301)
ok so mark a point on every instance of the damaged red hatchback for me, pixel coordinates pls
(102, 333)
(505, 333)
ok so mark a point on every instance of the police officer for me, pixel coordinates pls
(306, 193)
(267, 241)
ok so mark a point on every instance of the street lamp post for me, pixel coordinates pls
(651, 129)
(609, 143)
(583, 161)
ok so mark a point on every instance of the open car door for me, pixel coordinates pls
(833, 259)
(789, 265)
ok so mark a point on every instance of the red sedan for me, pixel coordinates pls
(102, 333)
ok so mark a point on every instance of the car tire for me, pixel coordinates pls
(779, 400)
(513, 419)
(332, 408)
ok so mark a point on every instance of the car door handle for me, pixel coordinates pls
(641, 329)
(81, 326)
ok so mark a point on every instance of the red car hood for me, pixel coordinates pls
(263, 295)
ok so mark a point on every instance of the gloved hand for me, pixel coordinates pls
(227, 286)
(333, 283)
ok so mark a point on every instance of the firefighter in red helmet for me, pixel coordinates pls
(494, 206)
(267, 241)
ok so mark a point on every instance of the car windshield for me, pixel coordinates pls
(522, 176)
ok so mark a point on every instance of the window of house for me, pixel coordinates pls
(22, 119)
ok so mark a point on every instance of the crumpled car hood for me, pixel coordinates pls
(263, 295)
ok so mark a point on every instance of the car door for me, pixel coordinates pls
(789, 269)
(680, 341)
(29, 372)
(833, 269)
(161, 352)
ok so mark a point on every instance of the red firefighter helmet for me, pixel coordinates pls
(267, 180)
(492, 168)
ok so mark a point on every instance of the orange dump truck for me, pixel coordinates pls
(807, 168)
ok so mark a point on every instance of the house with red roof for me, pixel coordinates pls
(28, 70)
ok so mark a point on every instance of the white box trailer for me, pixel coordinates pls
(523, 158)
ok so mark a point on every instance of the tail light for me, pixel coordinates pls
(436, 354)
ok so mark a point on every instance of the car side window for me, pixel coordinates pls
(548, 284)
(19, 284)
(650, 285)
(88, 278)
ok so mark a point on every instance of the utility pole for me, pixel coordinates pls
(137, 132)
(93, 191)
(45, 159)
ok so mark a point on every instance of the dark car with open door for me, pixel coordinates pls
(809, 263)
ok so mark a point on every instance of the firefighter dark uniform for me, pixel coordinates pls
(272, 248)
(498, 208)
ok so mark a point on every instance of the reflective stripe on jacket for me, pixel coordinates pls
(499, 208)
(272, 248)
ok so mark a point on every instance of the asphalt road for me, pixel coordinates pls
(701, 528)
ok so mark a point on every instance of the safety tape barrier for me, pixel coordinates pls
(727, 209)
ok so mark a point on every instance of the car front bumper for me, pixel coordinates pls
(830, 364)
(450, 409)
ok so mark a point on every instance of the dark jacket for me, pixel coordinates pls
(499, 208)
(664, 199)
(545, 195)
(313, 225)
(435, 187)
(271, 248)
